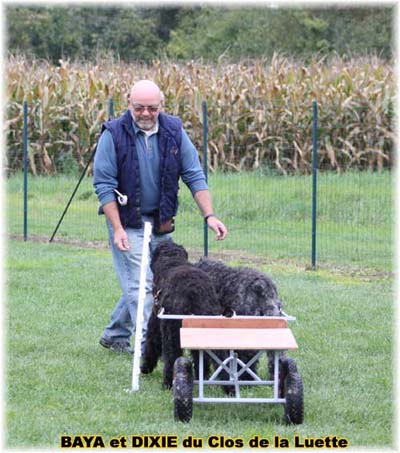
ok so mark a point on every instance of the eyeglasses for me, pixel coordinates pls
(141, 108)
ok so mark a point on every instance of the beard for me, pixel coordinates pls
(146, 124)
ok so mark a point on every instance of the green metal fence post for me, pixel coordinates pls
(205, 169)
(25, 148)
(111, 108)
(314, 185)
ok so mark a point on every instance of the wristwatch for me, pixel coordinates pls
(208, 216)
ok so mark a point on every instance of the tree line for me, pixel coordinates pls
(197, 32)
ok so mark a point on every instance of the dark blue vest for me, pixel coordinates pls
(169, 144)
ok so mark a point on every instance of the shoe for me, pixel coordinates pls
(116, 346)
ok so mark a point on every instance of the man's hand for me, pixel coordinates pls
(203, 200)
(218, 227)
(121, 239)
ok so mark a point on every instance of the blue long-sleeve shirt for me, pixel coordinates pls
(105, 168)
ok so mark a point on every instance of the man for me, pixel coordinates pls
(139, 159)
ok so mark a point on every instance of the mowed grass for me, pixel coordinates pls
(59, 381)
(266, 214)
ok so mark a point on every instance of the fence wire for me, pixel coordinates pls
(267, 216)
(266, 206)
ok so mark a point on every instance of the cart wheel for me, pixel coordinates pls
(183, 389)
(293, 392)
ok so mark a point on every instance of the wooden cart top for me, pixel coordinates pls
(231, 333)
(252, 322)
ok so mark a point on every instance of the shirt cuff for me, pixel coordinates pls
(198, 186)
(107, 199)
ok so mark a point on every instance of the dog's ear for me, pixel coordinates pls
(154, 257)
(185, 253)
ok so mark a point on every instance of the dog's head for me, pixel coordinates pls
(261, 293)
(165, 252)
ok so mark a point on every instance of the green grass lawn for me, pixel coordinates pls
(59, 381)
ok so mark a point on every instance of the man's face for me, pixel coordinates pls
(145, 108)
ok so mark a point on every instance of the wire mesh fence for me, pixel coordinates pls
(266, 202)
(267, 215)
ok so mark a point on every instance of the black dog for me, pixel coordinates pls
(179, 288)
(244, 292)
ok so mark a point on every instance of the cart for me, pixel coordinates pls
(208, 334)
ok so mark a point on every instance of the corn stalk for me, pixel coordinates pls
(260, 113)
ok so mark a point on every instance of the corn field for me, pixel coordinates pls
(259, 113)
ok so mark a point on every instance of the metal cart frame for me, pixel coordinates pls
(206, 334)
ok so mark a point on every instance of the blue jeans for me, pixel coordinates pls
(127, 268)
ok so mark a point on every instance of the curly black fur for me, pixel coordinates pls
(179, 288)
(245, 292)
(164, 253)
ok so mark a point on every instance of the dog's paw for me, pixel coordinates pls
(145, 369)
(229, 390)
(167, 385)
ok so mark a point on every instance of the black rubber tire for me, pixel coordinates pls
(183, 389)
(293, 392)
